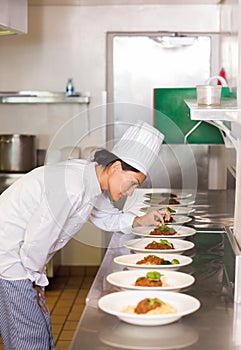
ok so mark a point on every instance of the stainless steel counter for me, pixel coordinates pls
(214, 209)
(216, 325)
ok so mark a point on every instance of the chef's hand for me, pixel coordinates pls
(154, 218)
(41, 296)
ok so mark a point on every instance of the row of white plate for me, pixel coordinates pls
(173, 281)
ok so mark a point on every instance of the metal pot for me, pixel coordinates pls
(17, 153)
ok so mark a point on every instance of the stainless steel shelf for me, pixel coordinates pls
(38, 97)
(227, 111)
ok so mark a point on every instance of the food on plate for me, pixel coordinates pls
(173, 262)
(152, 279)
(155, 260)
(169, 200)
(168, 195)
(162, 194)
(153, 306)
(172, 211)
(164, 231)
(162, 244)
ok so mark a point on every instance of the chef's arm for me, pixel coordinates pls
(109, 218)
(112, 219)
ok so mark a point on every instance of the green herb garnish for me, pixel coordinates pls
(171, 210)
(164, 241)
(152, 301)
(153, 276)
(151, 255)
(163, 228)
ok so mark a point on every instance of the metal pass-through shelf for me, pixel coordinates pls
(218, 116)
(227, 111)
(42, 97)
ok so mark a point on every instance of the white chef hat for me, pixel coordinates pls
(139, 146)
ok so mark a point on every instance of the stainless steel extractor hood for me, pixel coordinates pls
(13, 17)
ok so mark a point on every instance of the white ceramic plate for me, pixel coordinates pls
(171, 280)
(138, 245)
(130, 260)
(114, 303)
(179, 210)
(156, 202)
(182, 232)
(163, 193)
(179, 220)
(126, 336)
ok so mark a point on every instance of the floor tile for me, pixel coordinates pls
(70, 325)
(63, 345)
(66, 335)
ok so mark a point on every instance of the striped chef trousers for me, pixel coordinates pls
(23, 324)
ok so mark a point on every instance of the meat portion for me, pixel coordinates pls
(164, 231)
(150, 260)
(146, 282)
(155, 260)
(168, 195)
(169, 201)
(163, 244)
(147, 305)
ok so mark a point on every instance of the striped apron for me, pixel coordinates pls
(23, 324)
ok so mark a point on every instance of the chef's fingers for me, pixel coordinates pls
(167, 214)
(41, 293)
(42, 304)
(158, 220)
(155, 217)
(41, 298)
(40, 290)
(159, 217)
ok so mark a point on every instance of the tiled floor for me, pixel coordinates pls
(66, 300)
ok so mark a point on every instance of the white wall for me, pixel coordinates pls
(70, 41)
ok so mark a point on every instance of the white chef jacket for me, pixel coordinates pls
(44, 209)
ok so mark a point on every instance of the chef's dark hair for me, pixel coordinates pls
(106, 158)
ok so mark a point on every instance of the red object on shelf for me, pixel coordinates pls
(222, 74)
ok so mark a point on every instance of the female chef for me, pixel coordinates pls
(44, 209)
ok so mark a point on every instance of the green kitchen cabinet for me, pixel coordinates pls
(172, 117)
